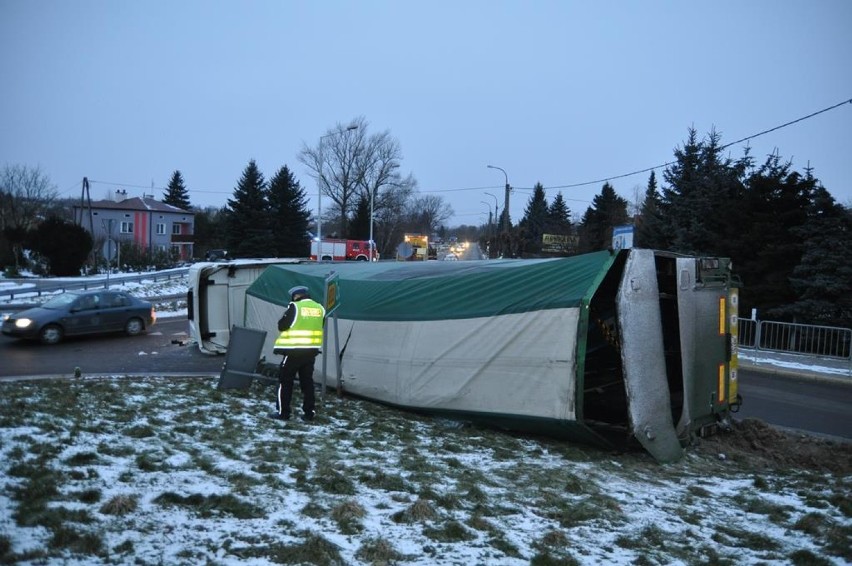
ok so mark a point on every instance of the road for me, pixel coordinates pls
(808, 404)
(154, 352)
(814, 405)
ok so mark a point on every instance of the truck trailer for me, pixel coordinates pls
(614, 348)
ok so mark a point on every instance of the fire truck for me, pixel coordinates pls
(343, 250)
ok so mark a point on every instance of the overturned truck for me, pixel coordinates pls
(610, 348)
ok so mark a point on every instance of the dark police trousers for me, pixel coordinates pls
(301, 363)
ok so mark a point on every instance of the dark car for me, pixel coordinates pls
(81, 312)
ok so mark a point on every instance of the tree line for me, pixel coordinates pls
(788, 238)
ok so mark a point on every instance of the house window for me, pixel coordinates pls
(175, 228)
(126, 227)
(161, 228)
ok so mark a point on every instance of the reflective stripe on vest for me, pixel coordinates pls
(306, 331)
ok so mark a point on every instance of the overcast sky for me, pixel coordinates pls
(559, 92)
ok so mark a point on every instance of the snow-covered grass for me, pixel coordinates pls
(174, 471)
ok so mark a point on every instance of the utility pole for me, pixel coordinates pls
(506, 202)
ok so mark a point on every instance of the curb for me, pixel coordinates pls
(798, 373)
(175, 375)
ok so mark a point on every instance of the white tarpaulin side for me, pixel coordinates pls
(517, 364)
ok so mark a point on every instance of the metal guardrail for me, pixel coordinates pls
(806, 339)
(44, 286)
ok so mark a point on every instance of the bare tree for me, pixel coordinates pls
(25, 194)
(429, 212)
(392, 209)
(347, 162)
(333, 163)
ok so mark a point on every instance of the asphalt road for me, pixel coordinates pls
(800, 403)
(162, 350)
(808, 404)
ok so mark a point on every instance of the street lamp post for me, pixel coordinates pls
(321, 180)
(496, 216)
(506, 203)
(372, 245)
(489, 215)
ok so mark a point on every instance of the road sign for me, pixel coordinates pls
(109, 249)
(332, 293)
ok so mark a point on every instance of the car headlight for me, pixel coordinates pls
(23, 322)
(4, 317)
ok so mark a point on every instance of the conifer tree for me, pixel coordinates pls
(359, 225)
(607, 211)
(822, 280)
(649, 225)
(63, 244)
(768, 248)
(703, 195)
(534, 221)
(249, 220)
(176, 193)
(288, 206)
(559, 217)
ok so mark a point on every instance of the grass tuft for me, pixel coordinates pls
(211, 505)
(420, 511)
(119, 505)
(378, 551)
(348, 516)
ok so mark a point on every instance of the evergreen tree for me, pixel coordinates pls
(288, 206)
(607, 211)
(649, 225)
(823, 278)
(775, 205)
(701, 201)
(210, 230)
(559, 217)
(534, 221)
(65, 246)
(249, 218)
(176, 193)
(359, 225)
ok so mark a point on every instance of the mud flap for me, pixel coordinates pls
(643, 358)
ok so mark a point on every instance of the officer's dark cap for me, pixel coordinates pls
(299, 290)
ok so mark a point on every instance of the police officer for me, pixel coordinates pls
(299, 342)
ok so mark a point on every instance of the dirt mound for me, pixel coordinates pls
(761, 446)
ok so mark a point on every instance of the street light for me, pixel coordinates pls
(506, 204)
(496, 216)
(496, 208)
(488, 204)
(321, 180)
(372, 245)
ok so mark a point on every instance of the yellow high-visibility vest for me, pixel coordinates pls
(306, 330)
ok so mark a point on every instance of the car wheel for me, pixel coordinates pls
(51, 334)
(134, 327)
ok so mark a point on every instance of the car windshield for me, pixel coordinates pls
(60, 301)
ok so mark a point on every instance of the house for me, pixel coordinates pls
(144, 221)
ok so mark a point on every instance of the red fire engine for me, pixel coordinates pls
(342, 250)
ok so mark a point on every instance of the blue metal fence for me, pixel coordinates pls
(806, 339)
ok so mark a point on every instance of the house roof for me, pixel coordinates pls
(146, 204)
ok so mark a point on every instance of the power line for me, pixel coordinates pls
(489, 187)
(647, 169)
